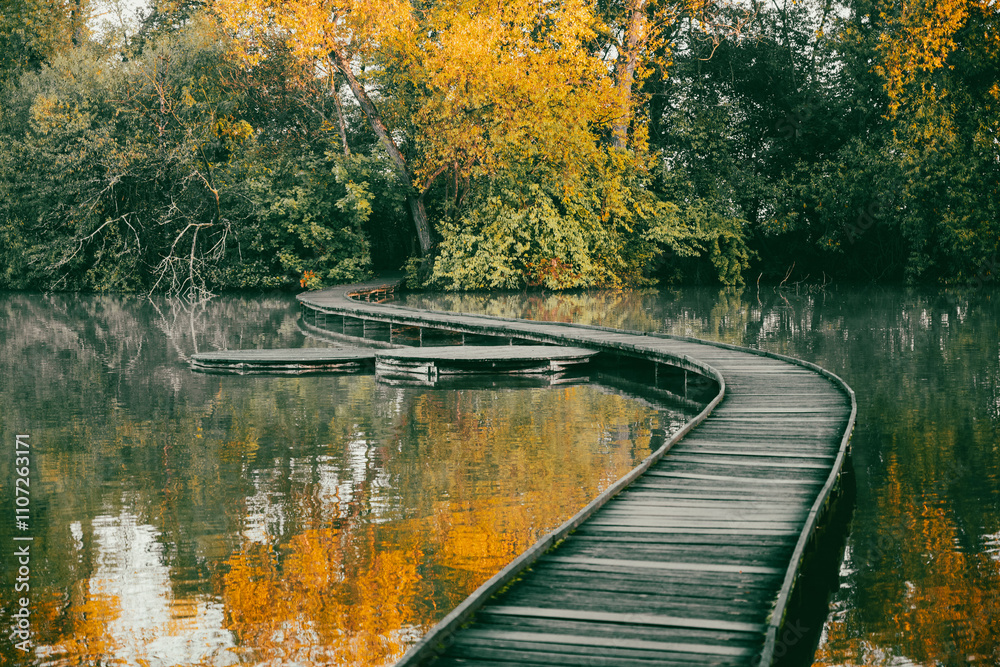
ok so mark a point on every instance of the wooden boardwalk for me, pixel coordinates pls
(691, 559)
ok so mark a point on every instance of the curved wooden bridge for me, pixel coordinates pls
(692, 558)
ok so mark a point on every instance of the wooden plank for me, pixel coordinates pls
(299, 354)
(553, 585)
(802, 445)
(663, 565)
(694, 530)
(730, 600)
(474, 634)
(696, 448)
(631, 619)
(830, 409)
(536, 656)
(738, 610)
(710, 542)
(664, 582)
(623, 550)
(733, 479)
(523, 654)
(730, 461)
(488, 353)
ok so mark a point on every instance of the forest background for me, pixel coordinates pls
(206, 145)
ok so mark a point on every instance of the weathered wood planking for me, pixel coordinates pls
(404, 362)
(691, 558)
(432, 363)
(285, 361)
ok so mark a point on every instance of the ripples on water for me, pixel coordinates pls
(186, 519)
(920, 577)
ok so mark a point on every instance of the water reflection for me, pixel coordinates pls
(182, 519)
(920, 580)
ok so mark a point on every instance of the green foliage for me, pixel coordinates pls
(310, 213)
(556, 229)
(148, 174)
(33, 31)
(815, 137)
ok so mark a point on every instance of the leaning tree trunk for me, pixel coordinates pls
(413, 198)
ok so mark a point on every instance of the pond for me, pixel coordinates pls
(919, 581)
(179, 518)
(176, 518)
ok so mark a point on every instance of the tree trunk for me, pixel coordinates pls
(340, 114)
(76, 18)
(625, 66)
(413, 198)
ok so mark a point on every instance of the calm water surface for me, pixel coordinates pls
(919, 582)
(186, 519)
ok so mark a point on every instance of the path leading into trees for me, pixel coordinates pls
(691, 558)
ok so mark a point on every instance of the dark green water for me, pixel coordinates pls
(184, 519)
(919, 582)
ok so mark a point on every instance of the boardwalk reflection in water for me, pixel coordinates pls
(190, 519)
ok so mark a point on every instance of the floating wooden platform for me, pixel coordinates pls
(691, 558)
(427, 364)
(430, 363)
(295, 361)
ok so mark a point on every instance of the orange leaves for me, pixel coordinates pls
(552, 271)
(518, 77)
(919, 41)
(90, 614)
(310, 280)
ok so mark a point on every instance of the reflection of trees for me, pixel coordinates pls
(86, 639)
(470, 480)
(703, 313)
(326, 603)
(329, 479)
(611, 308)
(926, 598)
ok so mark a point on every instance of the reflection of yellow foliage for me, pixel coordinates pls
(237, 450)
(313, 603)
(88, 639)
(949, 612)
(491, 472)
(641, 310)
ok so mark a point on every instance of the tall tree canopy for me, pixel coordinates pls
(222, 144)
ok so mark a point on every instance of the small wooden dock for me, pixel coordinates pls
(430, 363)
(425, 364)
(294, 361)
(691, 558)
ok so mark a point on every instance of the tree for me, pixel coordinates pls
(33, 31)
(147, 174)
(494, 113)
(333, 34)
